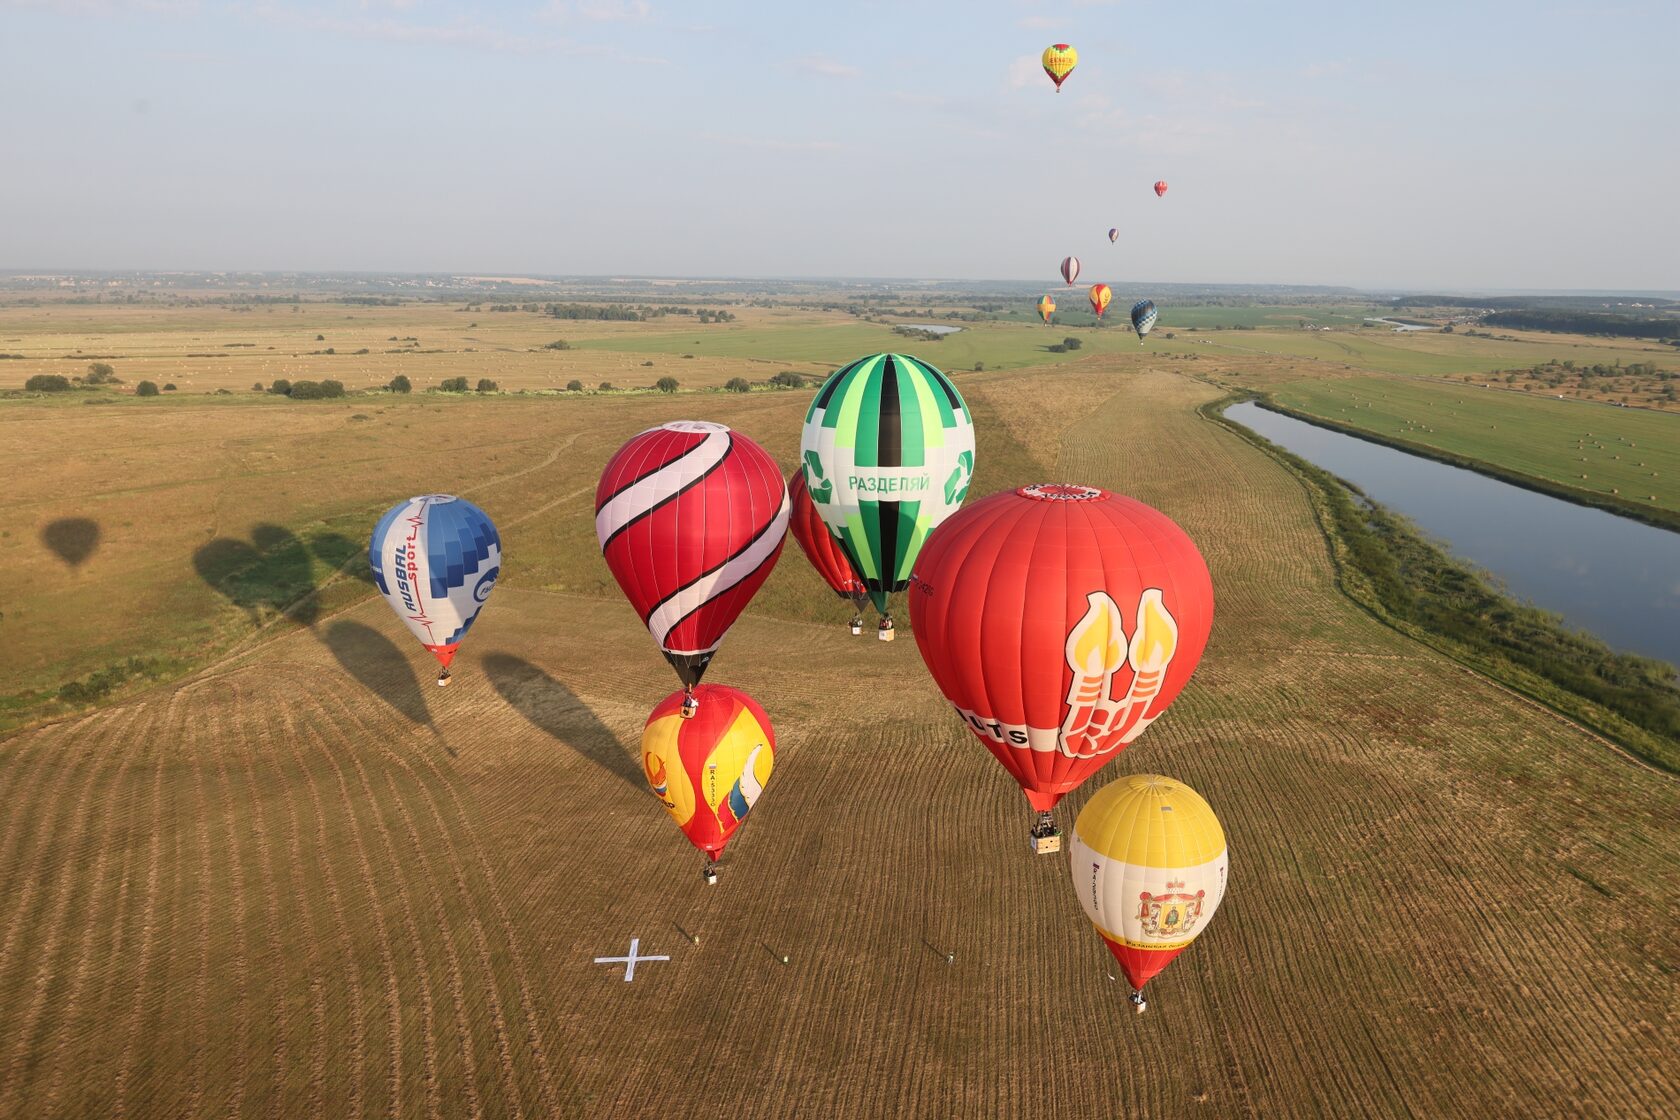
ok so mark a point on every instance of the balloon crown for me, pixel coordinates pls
(1062, 492)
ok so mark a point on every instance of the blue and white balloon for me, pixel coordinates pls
(1143, 317)
(435, 559)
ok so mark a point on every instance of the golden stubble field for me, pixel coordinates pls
(303, 881)
(203, 349)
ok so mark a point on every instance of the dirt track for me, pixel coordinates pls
(308, 882)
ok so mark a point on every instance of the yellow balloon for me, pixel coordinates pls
(1059, 61)
(1150, 865)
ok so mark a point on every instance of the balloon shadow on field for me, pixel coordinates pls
(555, 709)
(343, 554)
(72, 539)
(375, 661)
(270, 573)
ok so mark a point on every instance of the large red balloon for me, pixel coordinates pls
(691, 517)
(819, 545)
(1060, 621)
(1160, 187)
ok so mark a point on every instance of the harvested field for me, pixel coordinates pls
(304, 881)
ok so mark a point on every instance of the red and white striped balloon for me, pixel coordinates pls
(691, 517)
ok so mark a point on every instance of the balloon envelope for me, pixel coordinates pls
(1070, 269)
(1160, 187)
(1149, 866)
(888, 451)
(1046, 308)
(1113, 235)
(709, 770)
(435, 558)
(1059, 61)
(1060, 621)
(1143, 317)
(691, 517)
(1100, 295)
(819, 545)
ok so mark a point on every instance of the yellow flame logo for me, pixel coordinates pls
(1156, 637)
(1096, 644)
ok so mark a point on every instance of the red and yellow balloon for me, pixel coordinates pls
(1150, 867)
(1059, 61)
(1100, 297)
(710, 769)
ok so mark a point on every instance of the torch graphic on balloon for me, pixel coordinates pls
(1097, 649)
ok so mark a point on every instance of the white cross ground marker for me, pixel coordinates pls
(629, 962)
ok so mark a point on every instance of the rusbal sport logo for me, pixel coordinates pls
(486, 584)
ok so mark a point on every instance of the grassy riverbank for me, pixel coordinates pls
(1386, 565)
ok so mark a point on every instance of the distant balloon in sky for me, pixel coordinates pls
(709, 770)
(1160, 187)
(1150, 867)
(1100, 297)
(1070, 269)
(1143, 317)
(1059, 61)
(691, 518)
(435, 558)
(1046, 308)
(1113, 235)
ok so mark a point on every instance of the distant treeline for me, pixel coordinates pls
(1586, 322)
(616, 312)
(1536, 303)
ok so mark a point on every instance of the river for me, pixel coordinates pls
(1617, 578)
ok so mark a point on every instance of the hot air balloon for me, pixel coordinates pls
(1113, 235)
(1060, 621)
(822, 550)
(888, 449)
(708, 770)
(1046, 308)
(1100, 295)
(1149, 866)
(1143, 317)
(1059, 61)
(1070, 269)
(1160, 187)
(691, 517)
(435, 558)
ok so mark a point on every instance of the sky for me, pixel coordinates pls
(1442, 146)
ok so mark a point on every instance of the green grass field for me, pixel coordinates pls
(1427, 353)
(1631, 452)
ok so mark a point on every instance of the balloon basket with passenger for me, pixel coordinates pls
(1045, 837)
(708, 870)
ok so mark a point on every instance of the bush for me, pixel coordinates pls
(788, 379)
(320, 338)
(666, 384)
(979, 367)
(739, 385)
(101, 373)
(485, 385)
(256, 387)
(557, 344)
(48, 383)
(169, 386)
(399, 384)
(1057, 348)
(146, 389)
(1071, 344)
(574, 386)
(281, 387)
(607, 386)
(453, 385)
(645, 364)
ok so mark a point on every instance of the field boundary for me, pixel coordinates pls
(1589, 718)
(1609, 503)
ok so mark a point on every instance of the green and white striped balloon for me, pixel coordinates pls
(888, 453)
